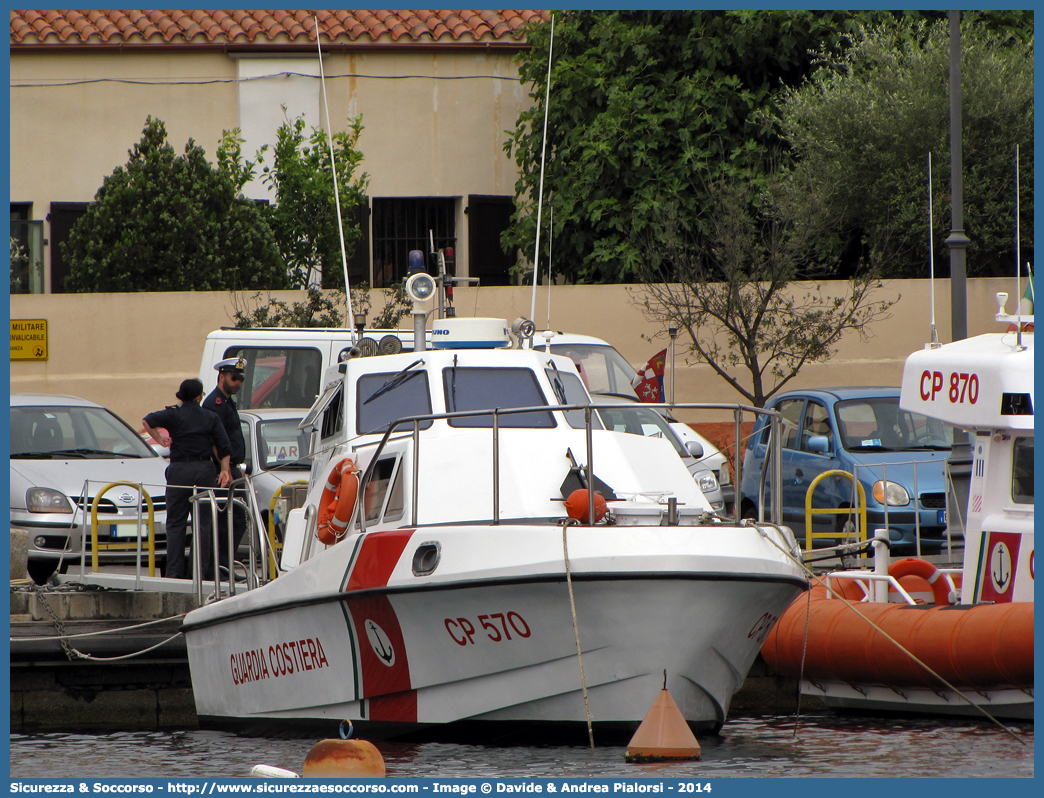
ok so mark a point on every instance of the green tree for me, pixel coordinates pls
(866, 120)
(304, 216)
(322, 309)
(643, 101)
(732, 292)
(172, 223)
(640, 102)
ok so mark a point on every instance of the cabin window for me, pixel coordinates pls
(283, 377)
(1022, 471)
(333, 416)
(488, 388)
(572, 393)
(384, 474)
(385, 397)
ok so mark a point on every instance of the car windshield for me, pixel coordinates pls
(640, 421)
(601, 367)
(65, 432)
(878, 424)
(282, 445)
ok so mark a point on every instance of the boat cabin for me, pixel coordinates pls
(439, 438)
(985, 385)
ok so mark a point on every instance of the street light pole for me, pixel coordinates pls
(959, 463)
(957, 241)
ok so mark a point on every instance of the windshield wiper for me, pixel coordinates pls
(83, 452)
(394, 382)
(27, 455)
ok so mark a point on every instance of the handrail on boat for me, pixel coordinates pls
(773, 455)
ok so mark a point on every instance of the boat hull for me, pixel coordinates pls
(494, 644)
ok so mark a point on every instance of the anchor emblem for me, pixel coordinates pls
(380, 642)
(1000, 567)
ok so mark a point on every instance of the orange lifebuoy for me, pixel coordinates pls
(337, 502)
(913, 566)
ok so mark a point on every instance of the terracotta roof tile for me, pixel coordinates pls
(31, 28)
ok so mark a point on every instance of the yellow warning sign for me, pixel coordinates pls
(28, 339)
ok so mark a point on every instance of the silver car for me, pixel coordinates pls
(64, 452)
(277, 452)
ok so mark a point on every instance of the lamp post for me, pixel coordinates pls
(959, 463)
(957, 241)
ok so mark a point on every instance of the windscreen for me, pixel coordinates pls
(601, 367)
(878, 423)
(385, 397)
(72, 432)
(489, 388)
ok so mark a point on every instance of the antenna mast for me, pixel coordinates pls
(337, 194)
(1018, 258)
(540, 194)
(931, 254)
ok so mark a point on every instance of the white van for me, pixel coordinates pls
(285, 365)
(606, 372)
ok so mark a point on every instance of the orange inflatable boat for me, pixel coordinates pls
(852, 661)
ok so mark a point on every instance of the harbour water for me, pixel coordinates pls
(748, 747)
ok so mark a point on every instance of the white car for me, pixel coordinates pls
(64, 452)
(637, 420)
(605, 371)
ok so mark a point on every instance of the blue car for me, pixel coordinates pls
(861, 431)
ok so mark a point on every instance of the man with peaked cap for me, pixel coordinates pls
(229, 380)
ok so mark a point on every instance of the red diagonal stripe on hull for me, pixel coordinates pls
(377, 558)
(398, 706)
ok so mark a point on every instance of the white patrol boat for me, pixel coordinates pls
(448, 582)
(985, 385)
(970, 629)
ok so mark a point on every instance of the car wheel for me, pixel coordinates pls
(40, 570)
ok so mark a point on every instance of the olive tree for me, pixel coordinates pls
(732, 291)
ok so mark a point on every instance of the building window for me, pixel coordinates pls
(403, 224)
(488, 217)
(27, 243)
(63, 216)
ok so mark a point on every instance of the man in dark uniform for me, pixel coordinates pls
(229, 381)
(195, 438)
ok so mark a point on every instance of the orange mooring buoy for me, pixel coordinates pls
(664, 734)
(344, 758)
(578, 503)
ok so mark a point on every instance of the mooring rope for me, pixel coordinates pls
(576, 629)
(73, 654)
(851, 606)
